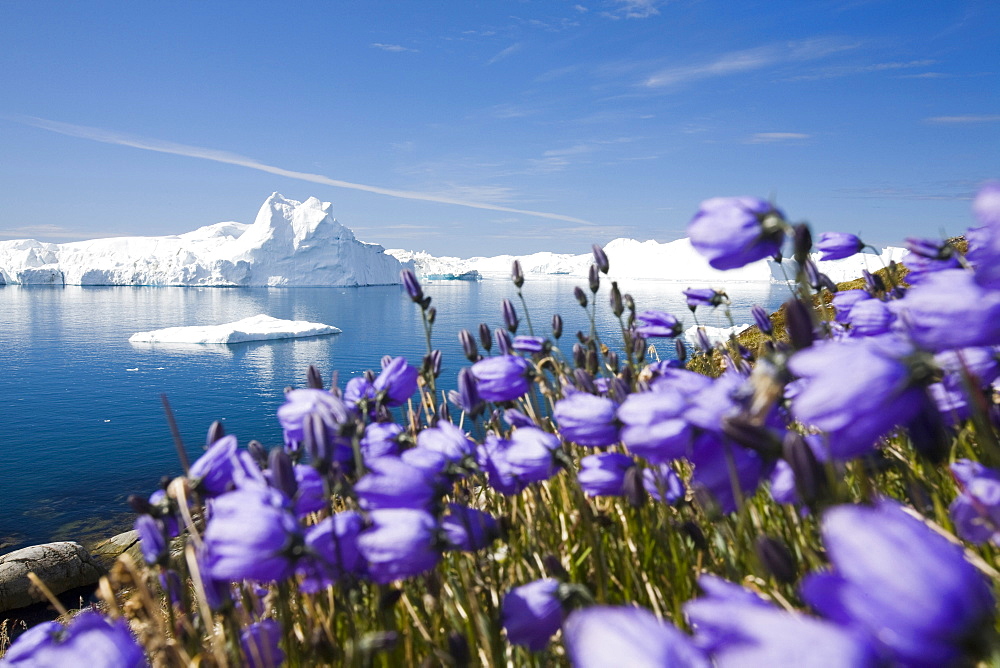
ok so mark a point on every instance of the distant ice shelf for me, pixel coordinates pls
(289, 244)
(255, 328)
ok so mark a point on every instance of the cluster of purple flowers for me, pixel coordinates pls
(353, 496)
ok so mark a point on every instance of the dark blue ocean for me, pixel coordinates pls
(81, 421)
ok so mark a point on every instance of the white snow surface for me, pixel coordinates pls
(289, 244)
(260, 327)
(631, 259)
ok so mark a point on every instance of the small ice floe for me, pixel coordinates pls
(256, 328)
(715, 335)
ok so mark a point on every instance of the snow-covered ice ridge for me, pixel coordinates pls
(289, 244)
(255, 328)
(631, 259)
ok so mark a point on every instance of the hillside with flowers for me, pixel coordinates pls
(831, 497)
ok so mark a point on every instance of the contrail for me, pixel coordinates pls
(110, 137)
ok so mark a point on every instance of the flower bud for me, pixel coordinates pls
(594, 278)
(612, 358)
(516, 274)
(810, 478)
(509, 315)
(431, 315)
(257, 451)
(592, 361)
(412, 286)
(557, 326)
(139, 504)
(503, 341)
(468, 345)
(443, 413)
(697, 536)
(581, 296)
(579, 356)
(680, 350)
(215, 432)
(282, 472)
(762, 319)
(601, 259)
(458, 646)
(584, 381)
(873, 282)
(484, 336)
(313, 378)
(776, 558)
(802, 243)
(799, 324)
(617, 307)
(634, 489)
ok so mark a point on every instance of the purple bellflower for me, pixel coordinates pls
(587, 420)
(604, 474)
(398, 381)
(731, 232)
(502, 378)
(88, 640)
(948, 310)
(838, 245)
(307, 401)
(984, 241)
(468, 529)
(657, 324)
(393, 483)
(663, 484)
(717, 461)
(897, 580)
(152, 542)
(260, 644)
(531, 454)
(705, 297)
(602, 636)
(251, 535)
(738, 628)
(976, 510)
(529, 344)
(532, 613)
(447, 439)
(856, 390)
(380, 440)
(654, 424)
(399, 543)
(212, 473)
(332, 551)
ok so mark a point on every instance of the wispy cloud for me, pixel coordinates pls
(50, 232)
(635, 9)
(954, 120)
(772, 137)
(159, 146)
(394, 48)
(851, 70)
(506, 53)
(748, 60)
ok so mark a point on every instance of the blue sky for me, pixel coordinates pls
(477, 128)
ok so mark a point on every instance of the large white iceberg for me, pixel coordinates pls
(631, 259)
(255, 328)
(289, 244)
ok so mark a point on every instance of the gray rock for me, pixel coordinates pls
(61, 566)
(107, 551)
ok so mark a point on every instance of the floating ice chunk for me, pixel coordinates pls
(256, 328)
(715, 334)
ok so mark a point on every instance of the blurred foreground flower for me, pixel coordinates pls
(734, 231)
(89, 640)
(902, 583)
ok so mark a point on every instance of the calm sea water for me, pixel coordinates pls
(81, 422)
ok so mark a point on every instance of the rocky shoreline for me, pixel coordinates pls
(66, 568)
